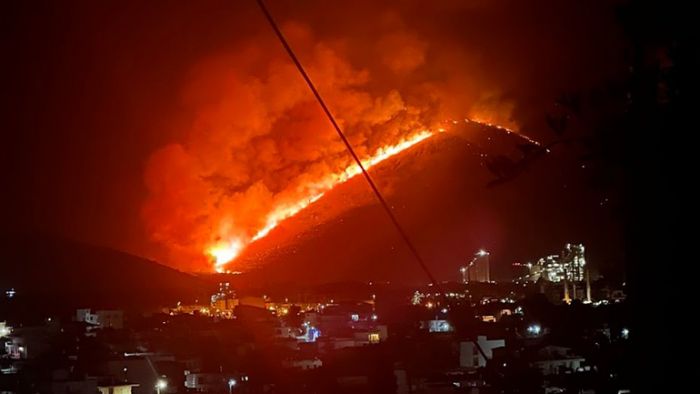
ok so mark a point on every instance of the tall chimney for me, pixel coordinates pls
(588, 285)
(567, 299)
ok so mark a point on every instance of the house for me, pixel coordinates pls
(102, 318)
(554, 360)
(471, 357)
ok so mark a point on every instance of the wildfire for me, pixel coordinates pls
(223, 252)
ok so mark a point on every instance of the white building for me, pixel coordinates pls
(102, 318)
(471, 357)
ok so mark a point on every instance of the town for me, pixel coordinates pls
(554, 332)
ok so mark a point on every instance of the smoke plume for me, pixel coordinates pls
(256, 140)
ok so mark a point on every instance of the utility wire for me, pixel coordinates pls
(376, 191)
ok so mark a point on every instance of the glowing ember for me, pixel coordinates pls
(502, 128)
(224, 252)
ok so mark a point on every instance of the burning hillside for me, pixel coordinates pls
(255, 148)
(259, 148)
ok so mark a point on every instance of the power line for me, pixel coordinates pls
(369, 180)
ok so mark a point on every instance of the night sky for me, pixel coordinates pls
(92, 91)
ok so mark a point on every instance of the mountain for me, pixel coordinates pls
(58, 275)
(442, 193)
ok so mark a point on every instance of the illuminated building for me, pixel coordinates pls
(311, 333)
(373, 337)
(478, 269)
(569, 265)
(224, 293)
(439, 326)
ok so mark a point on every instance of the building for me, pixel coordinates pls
(437, 325)
(116, 388)
(224, 301)
(145, 370)
(478, 269)
(569, 265)
(102, 318)
(554, 360)
(471, 357)
(29, 342)
(209, 382)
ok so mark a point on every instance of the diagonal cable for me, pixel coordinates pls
(342, 136)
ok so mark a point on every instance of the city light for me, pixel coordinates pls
(534, 329)
(625, 333)
(161, 384)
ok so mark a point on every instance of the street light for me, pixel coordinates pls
(161, 384)
(231, 383)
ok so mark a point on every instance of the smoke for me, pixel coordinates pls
(257, 140)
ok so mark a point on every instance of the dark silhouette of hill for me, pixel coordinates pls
(59, 274)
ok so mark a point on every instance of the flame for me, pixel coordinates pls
(485, 122)
(223, 252)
